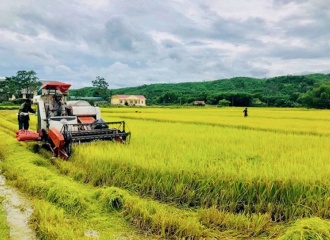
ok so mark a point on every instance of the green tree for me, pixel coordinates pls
(3, 92)
(317, 98)
(24, 82)
(28, 81)
(257, 103)
(223, 103)
(9, 87)
(102, 88)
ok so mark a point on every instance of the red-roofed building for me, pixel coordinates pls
(128, 100)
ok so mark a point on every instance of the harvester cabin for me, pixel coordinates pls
(128, 100)
(48, 90)
(82, 109)
(76, 111)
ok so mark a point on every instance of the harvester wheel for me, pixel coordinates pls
(68, 141)
(68, 148)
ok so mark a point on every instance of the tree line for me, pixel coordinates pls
(26, 83)
(23, 82)
(312, 91)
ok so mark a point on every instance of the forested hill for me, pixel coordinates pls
(311, 90)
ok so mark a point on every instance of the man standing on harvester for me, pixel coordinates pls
(23, 114)
(57, 107)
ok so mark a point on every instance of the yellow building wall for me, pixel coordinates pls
(131, 100)
(115, 101)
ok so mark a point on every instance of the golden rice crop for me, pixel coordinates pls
(309, 228)
(240, 174)
(63, 208)
(308, 121)
(196, 162)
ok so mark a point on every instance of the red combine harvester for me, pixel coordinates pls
(82, 123)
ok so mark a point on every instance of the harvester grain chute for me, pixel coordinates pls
(82, 123)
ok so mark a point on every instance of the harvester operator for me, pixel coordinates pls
(57, 107)
(23, 114)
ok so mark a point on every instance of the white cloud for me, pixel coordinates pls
(163, 41)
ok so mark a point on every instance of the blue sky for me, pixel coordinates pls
(131, 43)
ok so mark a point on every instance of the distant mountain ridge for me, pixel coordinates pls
(311, 90)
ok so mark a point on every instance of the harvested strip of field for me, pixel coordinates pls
(18, 211)
(4, 228)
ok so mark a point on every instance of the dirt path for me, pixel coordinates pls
(18, 211)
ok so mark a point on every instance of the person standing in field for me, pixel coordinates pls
(245, 112)
(23, 114)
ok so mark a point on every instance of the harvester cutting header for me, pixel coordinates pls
(62, 123)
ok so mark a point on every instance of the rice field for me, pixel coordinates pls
(188, 173)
